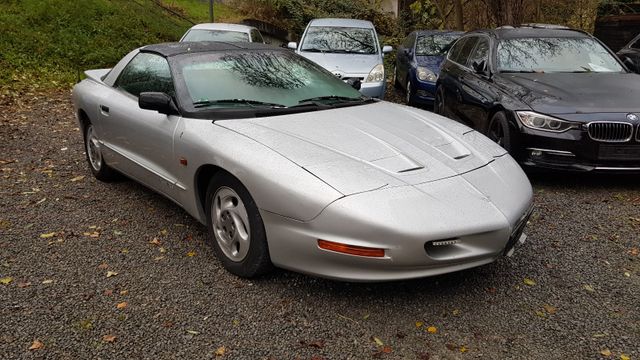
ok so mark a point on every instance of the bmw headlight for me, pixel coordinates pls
(546, 123)
(376, 74)
(425, 74)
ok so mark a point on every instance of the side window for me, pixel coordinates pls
(465, 50)
(456, 48)
(146, 72)
(256, 36)
(636, 44)
(408, 41)
(480, 53)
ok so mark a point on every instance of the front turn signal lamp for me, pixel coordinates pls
(350, 249)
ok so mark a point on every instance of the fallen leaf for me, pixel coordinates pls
(627, 274)
(24, 284)
(103, 266)
(192, 332)
(36, 345)
(432, 329)
(589, 288)
(220, 351)
(121, 305)
(93, 234)
(163, 232)
(529, 282)
(158, 258)
(456, 312)
(124, 251)
(605, 352)
(365, 317)
(378, 341)
(541, 313)
(48, 235)
(6, 280)
(634, 252)
(108, 292)
(387, 349)
(550, 309)
(419, 324)
(48, 281)
(191, 253)
(124, 292)
(111, 273)
(463, 349)
(77, 178)
(162, 250)
(451, 346)
(109, 338)
(155, 241)
(624, 357)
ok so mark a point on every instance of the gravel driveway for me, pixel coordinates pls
(114, 271)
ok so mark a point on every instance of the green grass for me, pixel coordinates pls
(198, 11)
(46, 43)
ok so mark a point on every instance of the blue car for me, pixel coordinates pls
(418, 64)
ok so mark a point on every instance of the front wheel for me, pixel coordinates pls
(500, 132)
(409, 94)
(396, 82)
(438, 104)
(235, 227)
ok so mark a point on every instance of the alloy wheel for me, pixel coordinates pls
(230, 224)
(93, 149)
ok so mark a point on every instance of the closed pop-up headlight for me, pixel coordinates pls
(376, 74)
(425, 74)
(537, 121)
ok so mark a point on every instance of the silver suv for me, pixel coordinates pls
(349, 49)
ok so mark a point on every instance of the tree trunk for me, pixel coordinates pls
(459, 15)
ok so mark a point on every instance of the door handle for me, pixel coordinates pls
(104, 109)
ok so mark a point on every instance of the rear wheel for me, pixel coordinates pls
(235, 227)
(93, 148)
(500, 132)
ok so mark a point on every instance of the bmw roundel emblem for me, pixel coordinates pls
(632, 117)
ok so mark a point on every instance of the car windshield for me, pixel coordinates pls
(431, 45)
(333, 39)
(216, 35)
(555, 55)
(257, 79)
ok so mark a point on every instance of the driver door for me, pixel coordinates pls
(141, 141)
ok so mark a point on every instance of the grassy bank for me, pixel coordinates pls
(46, 43)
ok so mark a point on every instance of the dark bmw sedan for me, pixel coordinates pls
(418, 64)
(553, 97)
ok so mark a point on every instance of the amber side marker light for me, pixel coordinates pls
(350, 249)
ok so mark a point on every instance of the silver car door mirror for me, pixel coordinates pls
(292, 45)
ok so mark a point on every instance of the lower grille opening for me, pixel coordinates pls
(445, 248)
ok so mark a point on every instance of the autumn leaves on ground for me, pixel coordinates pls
(113, 271)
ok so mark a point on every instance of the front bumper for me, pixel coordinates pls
(406, 221)
(574, 150)
(424, 92)
(373, 89)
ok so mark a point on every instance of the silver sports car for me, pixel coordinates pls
(289, 166)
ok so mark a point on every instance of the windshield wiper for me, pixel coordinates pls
(331, 97)
(519, 71)
(204, 103)
(314, 50)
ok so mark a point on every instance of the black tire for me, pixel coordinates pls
(409, 94)
(500, 132)
(256, 260)
(93, 150)
(438, 103)
(396, 82)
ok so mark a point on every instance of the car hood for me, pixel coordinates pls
(344, 63)
(431, 62)
(368, 147)
(570, 93)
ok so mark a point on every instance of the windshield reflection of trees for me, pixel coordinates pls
(268, 70)
(334, 39)
(432, 45)
(540, 53)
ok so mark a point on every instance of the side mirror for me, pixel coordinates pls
(159, 102)
(480, 67)
(630, 64)
(292, 45)
(387, 49)
(355, 83)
